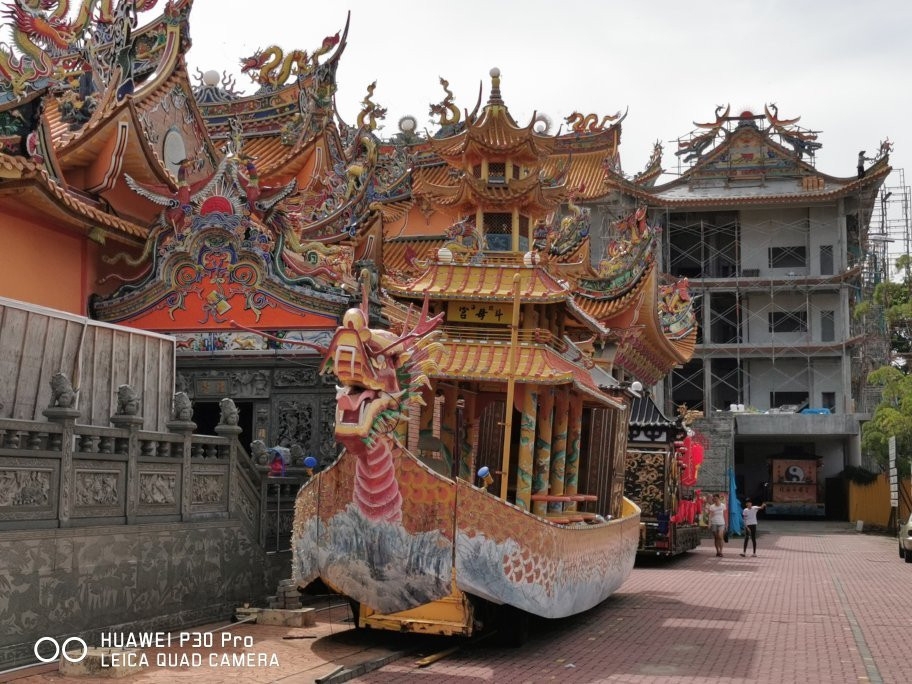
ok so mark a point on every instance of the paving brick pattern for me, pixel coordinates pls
(783, 617)
(819, 604)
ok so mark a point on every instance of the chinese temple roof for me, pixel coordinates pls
(484, 361)
(493, 135)
(645, 413)
(743, 160)
(489, 281)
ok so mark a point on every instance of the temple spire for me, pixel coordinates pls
(494, 98)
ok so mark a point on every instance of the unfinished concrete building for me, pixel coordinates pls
(777, 254)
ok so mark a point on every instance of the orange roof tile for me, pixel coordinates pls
(533, 363)
(487, 282)
(493, 133)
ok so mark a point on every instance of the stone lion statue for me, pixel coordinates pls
(127, 401)
(182, 408)
(62, 393)
(259, 452)
(228, 412)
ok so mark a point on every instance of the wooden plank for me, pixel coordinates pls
(149, 370)
(84, 380)
(165, 382)
(102, 359)
(52, 363)
(12, 333)
(30, 366)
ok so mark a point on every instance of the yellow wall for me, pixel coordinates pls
(871, 503)
(42, 265)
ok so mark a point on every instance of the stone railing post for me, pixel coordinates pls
(228, 427)
(62, 410)
(66, 418)
(181, 423)
(129, 417)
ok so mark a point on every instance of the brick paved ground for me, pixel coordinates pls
(819, 604)
(815, 602)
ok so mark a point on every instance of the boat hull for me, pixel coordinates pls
(454, 531)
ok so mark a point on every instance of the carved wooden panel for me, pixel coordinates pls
(99, 488)
(28, 488)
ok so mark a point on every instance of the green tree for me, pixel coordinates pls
(893, 417)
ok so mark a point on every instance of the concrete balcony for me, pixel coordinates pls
(797, 424)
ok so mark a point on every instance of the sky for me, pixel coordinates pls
(842, 65)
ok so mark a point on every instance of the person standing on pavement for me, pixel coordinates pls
(749, 515)
(718, 522)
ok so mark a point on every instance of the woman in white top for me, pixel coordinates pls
(749, 514)
(717, 522)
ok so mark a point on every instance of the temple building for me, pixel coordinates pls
(777, 255)
(245, 225)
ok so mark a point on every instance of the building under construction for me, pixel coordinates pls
(777, 255)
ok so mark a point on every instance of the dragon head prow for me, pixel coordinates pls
(380, 373)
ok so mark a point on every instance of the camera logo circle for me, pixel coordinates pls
(58, 650)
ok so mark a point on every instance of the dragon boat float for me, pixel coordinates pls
(484, 387)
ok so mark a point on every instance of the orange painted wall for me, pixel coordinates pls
(41, 265)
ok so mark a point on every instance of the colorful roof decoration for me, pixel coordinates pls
(268, 210)
(745, 159)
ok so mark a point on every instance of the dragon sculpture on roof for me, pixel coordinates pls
(693, 147)
(447, 111)
(51, 47)
(589, 123)
(802, 142)
(271, 67)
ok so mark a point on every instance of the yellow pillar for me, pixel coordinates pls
(516, 230)
(542, 472)
(526, 446)
(469, 439)
(448, 426)
(575, 429)
(426, 426)
(559, 447)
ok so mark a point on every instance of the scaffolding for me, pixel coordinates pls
(890, 234)
(776, 291)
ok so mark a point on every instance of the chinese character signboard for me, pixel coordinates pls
(485, 313)
(894, 475)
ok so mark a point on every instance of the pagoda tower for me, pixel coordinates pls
(509, 324)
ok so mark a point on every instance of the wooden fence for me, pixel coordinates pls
(97, 357)
(871, 502)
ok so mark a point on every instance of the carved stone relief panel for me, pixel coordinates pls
(328, 448)
(209, 488)
(28, 488)
(307, 376)
(237, 383)
(100, 488)
(295, 420)
(159, 490)
(246, 506)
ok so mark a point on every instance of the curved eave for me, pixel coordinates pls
(85, 143)
(533, 364)
(807, 169)
(491, 283)
(33, 187)
(653, 197)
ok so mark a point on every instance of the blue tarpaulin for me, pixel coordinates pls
(735, 523)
